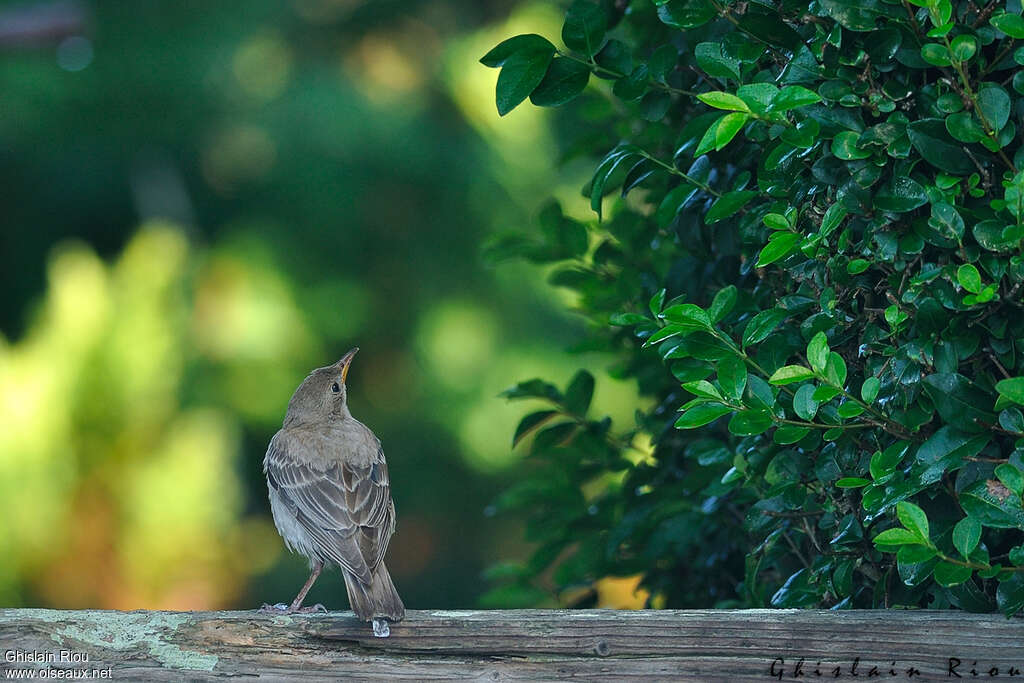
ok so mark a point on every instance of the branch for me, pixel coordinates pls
(697, 645)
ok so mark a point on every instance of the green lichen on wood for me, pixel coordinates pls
(150, 632)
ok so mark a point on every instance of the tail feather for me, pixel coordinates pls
(378, 599)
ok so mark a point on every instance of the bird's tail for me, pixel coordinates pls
(379, 599)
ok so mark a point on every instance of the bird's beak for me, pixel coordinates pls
(345, 362)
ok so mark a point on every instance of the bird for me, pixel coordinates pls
(330, 496)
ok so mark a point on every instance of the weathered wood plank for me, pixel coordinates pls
(698, 645)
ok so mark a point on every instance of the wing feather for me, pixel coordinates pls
(346, 509)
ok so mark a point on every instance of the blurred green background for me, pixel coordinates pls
(202, 202)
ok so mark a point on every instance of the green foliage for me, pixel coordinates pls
(813, 271)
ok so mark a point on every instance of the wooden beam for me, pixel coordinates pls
(696, 645)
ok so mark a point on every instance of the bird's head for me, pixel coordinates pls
(322, 395)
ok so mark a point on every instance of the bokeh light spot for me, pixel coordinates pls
(383, 69)
(236, 155)
(263, 65)
(74, 53)
(456, 341)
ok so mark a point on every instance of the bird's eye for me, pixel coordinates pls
(335, 388)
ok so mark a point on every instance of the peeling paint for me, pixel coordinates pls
(149, 631)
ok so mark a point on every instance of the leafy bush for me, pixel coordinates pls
(813, 266)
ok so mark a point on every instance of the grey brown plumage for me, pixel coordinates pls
(330, 492)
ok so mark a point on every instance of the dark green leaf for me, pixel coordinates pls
(530, 423)
(1012, 420)
(966, 535)
(856, 15)
(930, 139)
(662, 62)
(722, 304)
(793, 97)
(913, 518)
(1011, 477)
(789, 374)
(849, 410)
(948, 574)
(844, 146)
(963, 47)
(728, 204)
(857, 266)
(632, 86)
(686, 13)
(628, 319)
(534, 388)
(579, 392)
(564, 80)
(804, 404)
(715, 62)
(1010, 594)
(914, 554)
(607, 167)
(869, 390)
(553, 437)
(704, 389)
(900, 194)
(616, 56)
(992, 504)
(780, 245)
(700, 415)
(750, 422)
(946, 450)
(994, 103)
(832, 219)
(804, 135)
(584, 27)
(936, 54)
(1012, 389)
(655, 104)
(732, 376)
(947, 221)
(762, 324)
(817, 352)
(959, 401)
(765, 25)
(787, 434)
(529, 42)
(520, 73)
(963, 126)
(1010, 24)
(885, 461)
(688, 315)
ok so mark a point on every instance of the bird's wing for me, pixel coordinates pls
(345, 509)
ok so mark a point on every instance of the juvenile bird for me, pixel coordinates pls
(331, 497)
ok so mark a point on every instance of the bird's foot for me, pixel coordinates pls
(282, 608)
(381, 628)
(279, 607)
(310, 610)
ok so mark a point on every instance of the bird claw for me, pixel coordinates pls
(317, 608)
(279, 607)
(381, 628)
(282, 608)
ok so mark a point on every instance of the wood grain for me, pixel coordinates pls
(695, 645)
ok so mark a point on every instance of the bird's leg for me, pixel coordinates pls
(296, 605)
